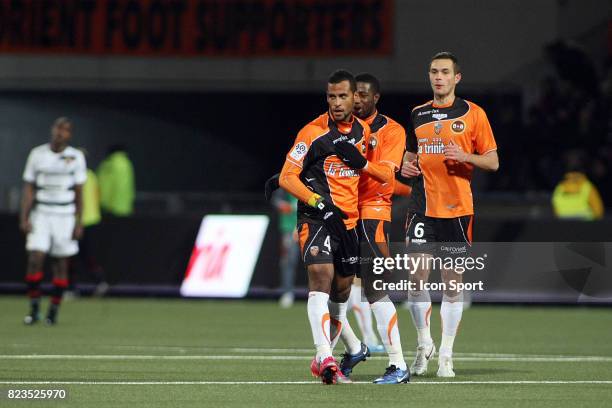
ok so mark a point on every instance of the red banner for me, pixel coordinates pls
(238, 28)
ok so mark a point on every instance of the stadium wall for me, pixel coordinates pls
(413, 40)
(149, 256)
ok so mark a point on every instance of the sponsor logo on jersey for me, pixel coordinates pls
(344, 138)
(337, 170)
(454, 250)
(314, 250)
(436, 147)
(458, 126)
(418, 241)
(439, 116)
(299, 151)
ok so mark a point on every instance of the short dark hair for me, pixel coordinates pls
(447, 55)
(369, 79)
(61, 121)
(343, 75)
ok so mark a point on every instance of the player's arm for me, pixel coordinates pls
(27, 200)
(410, 163)
(78, 204)
(352, 157)
(401, 189)
(484, 145)
(27, 195)
(290, 181)
(80, 175)
(289, 178)
(391, 151)
(488, 161)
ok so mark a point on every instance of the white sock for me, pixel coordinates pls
(363, 315)
(318, 315)
(386, 323)
(420, 310)
(337, 316)
(450, 312)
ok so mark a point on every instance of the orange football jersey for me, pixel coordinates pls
(443, 189)
(386, 146)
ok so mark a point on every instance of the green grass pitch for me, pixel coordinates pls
(182, 353)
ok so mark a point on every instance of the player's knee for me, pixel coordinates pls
(319, 278)
(340, 295)
(35, 262)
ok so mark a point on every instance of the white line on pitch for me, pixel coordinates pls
(290, 382)
(240, 350)
(553, 359)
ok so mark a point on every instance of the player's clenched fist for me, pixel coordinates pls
(454, 152)
(410, 165)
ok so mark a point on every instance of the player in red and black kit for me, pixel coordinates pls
(450, 137)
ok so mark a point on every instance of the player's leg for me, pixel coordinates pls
(319, 285)
(363, 316)
(458, 232)
(315, 245)
(63, 247)
(375, 238)
(451, 312)
(338, 305)
(59, 266)
(420, 240)
(38, 243)
(33, 278)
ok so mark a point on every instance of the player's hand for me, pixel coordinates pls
(25, 226)
(271, 186)
(332, 216)
(350, 155)
(410, 165)
(78, 232)
(453, 151)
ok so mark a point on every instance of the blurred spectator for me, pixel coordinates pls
(575, 197)
(86, 260)
(570, 113)
(286, 205)
(116, 178)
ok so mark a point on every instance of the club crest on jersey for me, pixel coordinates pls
(458, 126)
(438, 127)
(373, 142)
(314, 250)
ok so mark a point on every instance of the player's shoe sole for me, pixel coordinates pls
(423, 355)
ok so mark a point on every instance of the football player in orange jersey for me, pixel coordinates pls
(386, 147)
(327, 189)
(451, 136)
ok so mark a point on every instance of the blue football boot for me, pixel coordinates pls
(393, 375)
(349, 361)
